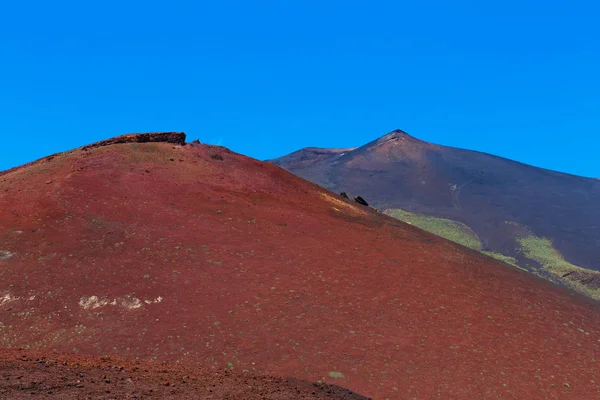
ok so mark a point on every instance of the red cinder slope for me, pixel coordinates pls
(202, 256)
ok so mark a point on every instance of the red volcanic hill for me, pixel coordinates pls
(197, 255)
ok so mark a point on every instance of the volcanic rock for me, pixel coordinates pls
(164, 137)
(360, 200)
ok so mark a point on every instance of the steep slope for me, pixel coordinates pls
(498, 199)
(198, 255)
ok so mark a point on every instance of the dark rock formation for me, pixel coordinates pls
(360, 200)
(344, 195)
(165, 137)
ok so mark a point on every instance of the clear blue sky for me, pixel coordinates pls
(520, 79)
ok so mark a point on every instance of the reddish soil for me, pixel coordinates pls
(169, 253)
(26, 375)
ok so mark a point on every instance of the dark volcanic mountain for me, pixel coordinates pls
(511, 209)
(192, 254)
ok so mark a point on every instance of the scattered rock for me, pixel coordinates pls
(217, 157)
(344, 195)
(360, 200)
(86, 378)
(195, 141)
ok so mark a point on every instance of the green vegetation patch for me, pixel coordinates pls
(541, 250)
(446, 228)
(336, 375)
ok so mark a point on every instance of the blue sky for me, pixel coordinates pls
(518, 79)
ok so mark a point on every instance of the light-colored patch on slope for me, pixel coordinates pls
(128, 302)
(156, 300)
(4, 255)
(91, 302)
(131, 303)
(341, 205)
(7, 297)
(541, 250)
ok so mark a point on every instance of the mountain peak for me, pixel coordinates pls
(397, 135)
(398, 132)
